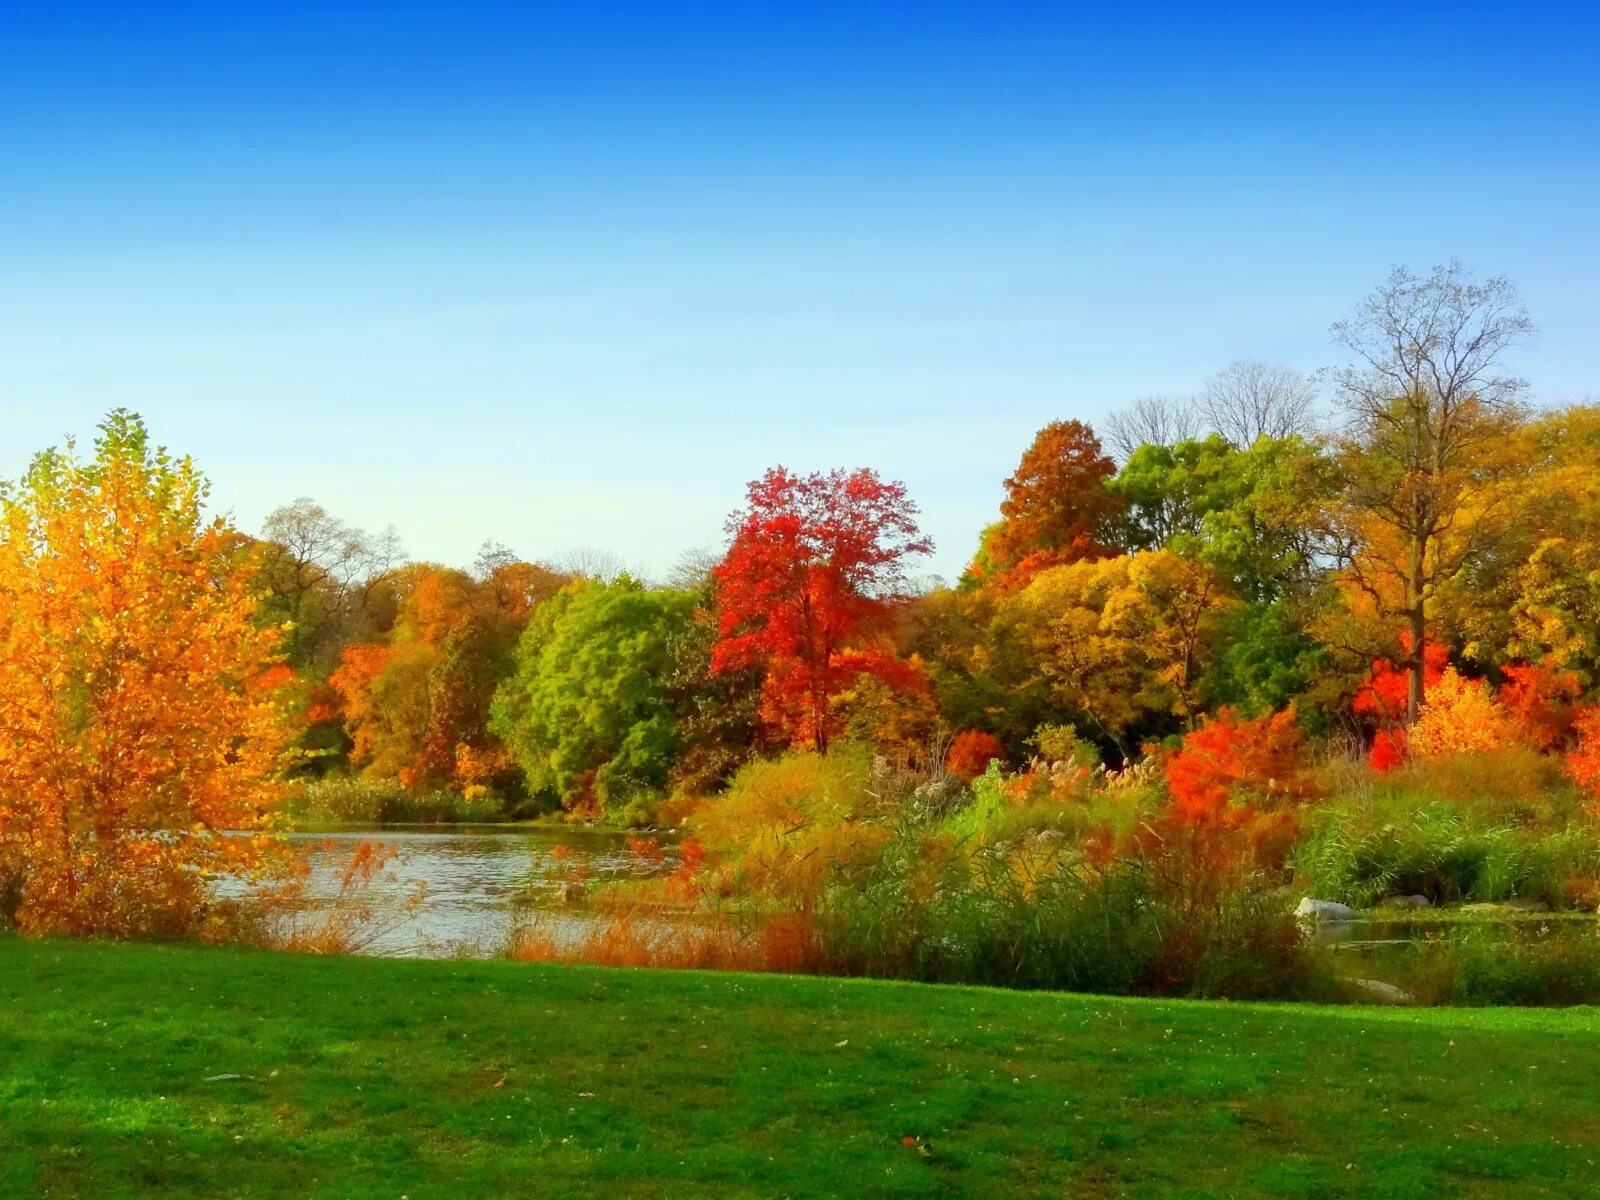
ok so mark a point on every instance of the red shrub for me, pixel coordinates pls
(1543, 702)
(970, 753)
(1388, 749)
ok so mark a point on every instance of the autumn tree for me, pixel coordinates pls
(808, 589)
(1057, 508)
(1123, 639)
(417, 701)
(1428, 409)
(141, 732)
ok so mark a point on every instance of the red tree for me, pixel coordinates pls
(1056, 510)
(815, 565)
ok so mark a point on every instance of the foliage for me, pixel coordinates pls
(588, 714)
(1123, 639)
(1057, 509)
(971, 751)
(814, 564)
(1460, 716)
(793, 822)
(358, 800)
(417, 702)
(140, 712)
(1410, 845)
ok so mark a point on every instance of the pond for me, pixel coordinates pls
(479, 881)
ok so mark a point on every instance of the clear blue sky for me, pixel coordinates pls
(570, 274)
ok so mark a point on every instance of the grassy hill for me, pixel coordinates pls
(129, 1070)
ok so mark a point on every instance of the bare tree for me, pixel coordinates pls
(591, 562)
(693, 569)
(1427, 404)
(321, 572)
(1151, 420)
(1247, 400)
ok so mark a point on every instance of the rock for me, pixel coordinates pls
(1324, 910)
(1379, 992)
(1528, 906)
(572, 892)
(1406, 902)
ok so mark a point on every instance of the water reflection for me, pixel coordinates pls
(480, 881)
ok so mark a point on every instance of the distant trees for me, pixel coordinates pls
(1247, 400)
(807, 592)
(321, 576)
(140, 716)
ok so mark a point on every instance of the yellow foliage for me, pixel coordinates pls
(1461, 716)
(141, 722)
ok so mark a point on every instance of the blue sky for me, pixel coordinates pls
(565, 275)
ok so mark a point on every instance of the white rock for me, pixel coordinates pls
(1324, 910)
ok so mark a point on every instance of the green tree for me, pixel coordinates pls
(589, 712)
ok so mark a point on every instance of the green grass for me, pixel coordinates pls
(366, 1077)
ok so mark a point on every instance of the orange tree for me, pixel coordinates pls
(140, 715)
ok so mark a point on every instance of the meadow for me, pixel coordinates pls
(146, 1070)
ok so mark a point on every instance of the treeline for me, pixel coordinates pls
(1268, 544)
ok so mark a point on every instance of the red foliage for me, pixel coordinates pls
(682, 883)
(1543, 702)
(1583, 761)
(970, 753)
(814, 566)
(1388, 749)
(1055, 510)
(1384, 695)
(1233, 785)
(1227, 757)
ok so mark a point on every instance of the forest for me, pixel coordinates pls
(1332, 636)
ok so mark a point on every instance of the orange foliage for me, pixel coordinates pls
(971, 752)
(140, 714)
(1227, 758)
(1460, 716)
(783, 942)
(1234, 785)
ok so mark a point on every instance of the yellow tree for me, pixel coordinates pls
(141, 729)
(1121, 638)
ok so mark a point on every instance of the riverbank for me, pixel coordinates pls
(131, 1070)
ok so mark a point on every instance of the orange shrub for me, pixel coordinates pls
(971, 752)
(1460, 716)
(1583, 761)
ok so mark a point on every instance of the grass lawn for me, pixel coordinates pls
(180, 1071)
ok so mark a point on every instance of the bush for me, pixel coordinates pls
(1357, 854)
(1551, 965)
(795, 820)
(348, 800)
(1035, 913)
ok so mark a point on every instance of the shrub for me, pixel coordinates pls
(1461, 716)
(971, 752)
(1549, 964)
(1036, 913)
(793, 821)
(354, 800)
(1359, 854)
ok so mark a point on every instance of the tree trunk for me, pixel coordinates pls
(1417, 616)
